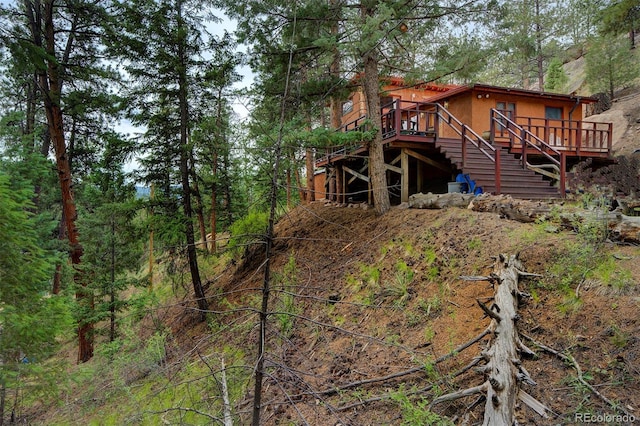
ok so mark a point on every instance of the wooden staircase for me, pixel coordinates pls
(515, 180)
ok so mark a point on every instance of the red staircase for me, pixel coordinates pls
(514, 179)
(493, 167)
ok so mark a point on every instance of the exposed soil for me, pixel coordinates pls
(353, 327)
(383, 296)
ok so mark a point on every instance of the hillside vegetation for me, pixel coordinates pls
(179, 308)
(356, 300)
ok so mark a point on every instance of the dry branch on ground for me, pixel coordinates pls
(503, 370)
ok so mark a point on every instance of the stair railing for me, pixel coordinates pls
(469, 136)
(528, 140)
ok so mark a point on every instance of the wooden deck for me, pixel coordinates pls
(542, 149)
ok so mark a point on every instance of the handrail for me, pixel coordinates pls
(482, 145)
(574, 135)
(529, 139)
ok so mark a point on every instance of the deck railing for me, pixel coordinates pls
(469, 136)
(553, 139)
(567, 135)
(408, 118)
(522, 138)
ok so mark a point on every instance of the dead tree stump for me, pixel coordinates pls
(502, 356)
(503, 370)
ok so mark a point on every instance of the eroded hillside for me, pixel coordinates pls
(368, 318)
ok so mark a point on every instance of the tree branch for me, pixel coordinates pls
(572, 361)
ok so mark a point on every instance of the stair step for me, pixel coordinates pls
(515, 180)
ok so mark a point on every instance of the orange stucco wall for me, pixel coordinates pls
(416, 94)
(461, 107)
(472, 107)
(526, 106)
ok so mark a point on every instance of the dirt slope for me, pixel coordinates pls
(377, 297)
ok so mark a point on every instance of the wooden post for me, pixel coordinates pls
(339, 184)
(419, 177)
(369, 192)
(344, 186)
(332, 184)
(404, 179)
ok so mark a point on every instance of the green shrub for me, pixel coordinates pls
(417, 413)
(247, 231)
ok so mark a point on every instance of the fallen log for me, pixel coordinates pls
(620, 227)
(525, 211)
(439, 201)
(503, 370)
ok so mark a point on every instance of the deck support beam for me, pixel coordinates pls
(361, 171)
(404, 181)
(427, 160)
(356, 174)
(340, 190)
(331, 183)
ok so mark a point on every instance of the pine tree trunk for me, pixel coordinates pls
(199, 210)
(51, 85)
(226, 189)
(334, 70)
(539, 54)
(288, 188)
(3, 393)
(377, 170)
(112, 288)
(192, 254)
(214, 206)
(296, 176)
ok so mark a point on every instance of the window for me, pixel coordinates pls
(386, 101)
(553, 113)
(347, 107)
(508, 109)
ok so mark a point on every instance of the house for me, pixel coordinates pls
(500, 140)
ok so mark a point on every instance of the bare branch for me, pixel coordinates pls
(572, 361)
(461, 394)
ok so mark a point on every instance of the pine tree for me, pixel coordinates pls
(112, 232)
(61, 52)
(30, 320)
(610, 65)
(161, 44)
(621, 16)
(526, 36)
(556, 78)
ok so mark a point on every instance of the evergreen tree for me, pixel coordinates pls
(112, 232)
(30, 320)
(580, 18)
(161, 45)
(620, 16)
(556, 77)
(610, 65)
(212, 134)
(526, 38)
(56, 43)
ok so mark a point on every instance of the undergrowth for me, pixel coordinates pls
(583, 262)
